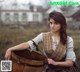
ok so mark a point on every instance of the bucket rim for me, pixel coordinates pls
(27, 61)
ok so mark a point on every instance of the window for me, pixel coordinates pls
(7, 17)
(24, 16)
(35, 17)
(15, 17)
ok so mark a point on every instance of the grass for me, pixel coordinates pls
(76, 37)
(10, 36)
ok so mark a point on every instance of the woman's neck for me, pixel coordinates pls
(56, 34)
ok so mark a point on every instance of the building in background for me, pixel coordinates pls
(15, 13)
(21, 13)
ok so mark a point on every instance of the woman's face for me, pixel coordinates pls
(54, 26)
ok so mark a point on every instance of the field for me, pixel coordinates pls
(13, 35)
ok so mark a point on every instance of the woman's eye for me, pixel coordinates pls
(50, 22)
(55, 22)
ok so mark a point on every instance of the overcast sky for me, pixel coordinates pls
(36, 2)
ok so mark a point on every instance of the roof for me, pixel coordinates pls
(53, 9)
(71, 12)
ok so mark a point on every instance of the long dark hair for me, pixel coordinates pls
(59, 17)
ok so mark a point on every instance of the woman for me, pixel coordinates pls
(58, 47)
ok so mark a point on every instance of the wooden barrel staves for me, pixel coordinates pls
(26, 61)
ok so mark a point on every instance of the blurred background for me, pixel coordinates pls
(22, 20)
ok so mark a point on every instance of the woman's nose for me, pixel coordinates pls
(53, 25)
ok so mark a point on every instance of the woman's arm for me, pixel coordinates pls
(66, 63)
(21, 46)
(24, 45)
(70, 56)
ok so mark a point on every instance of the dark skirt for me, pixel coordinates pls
(52, 68)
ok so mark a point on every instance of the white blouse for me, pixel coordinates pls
(70, 52)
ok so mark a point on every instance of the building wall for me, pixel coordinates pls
(22, 17)
(15, 13)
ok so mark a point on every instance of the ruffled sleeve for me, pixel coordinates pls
(70, 51)
(38, 39)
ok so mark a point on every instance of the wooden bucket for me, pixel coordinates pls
(26, 61)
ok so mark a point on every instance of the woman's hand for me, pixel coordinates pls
(51, 61)
(8, 54)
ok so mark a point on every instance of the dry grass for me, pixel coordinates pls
(10, 36)
(75, 34)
